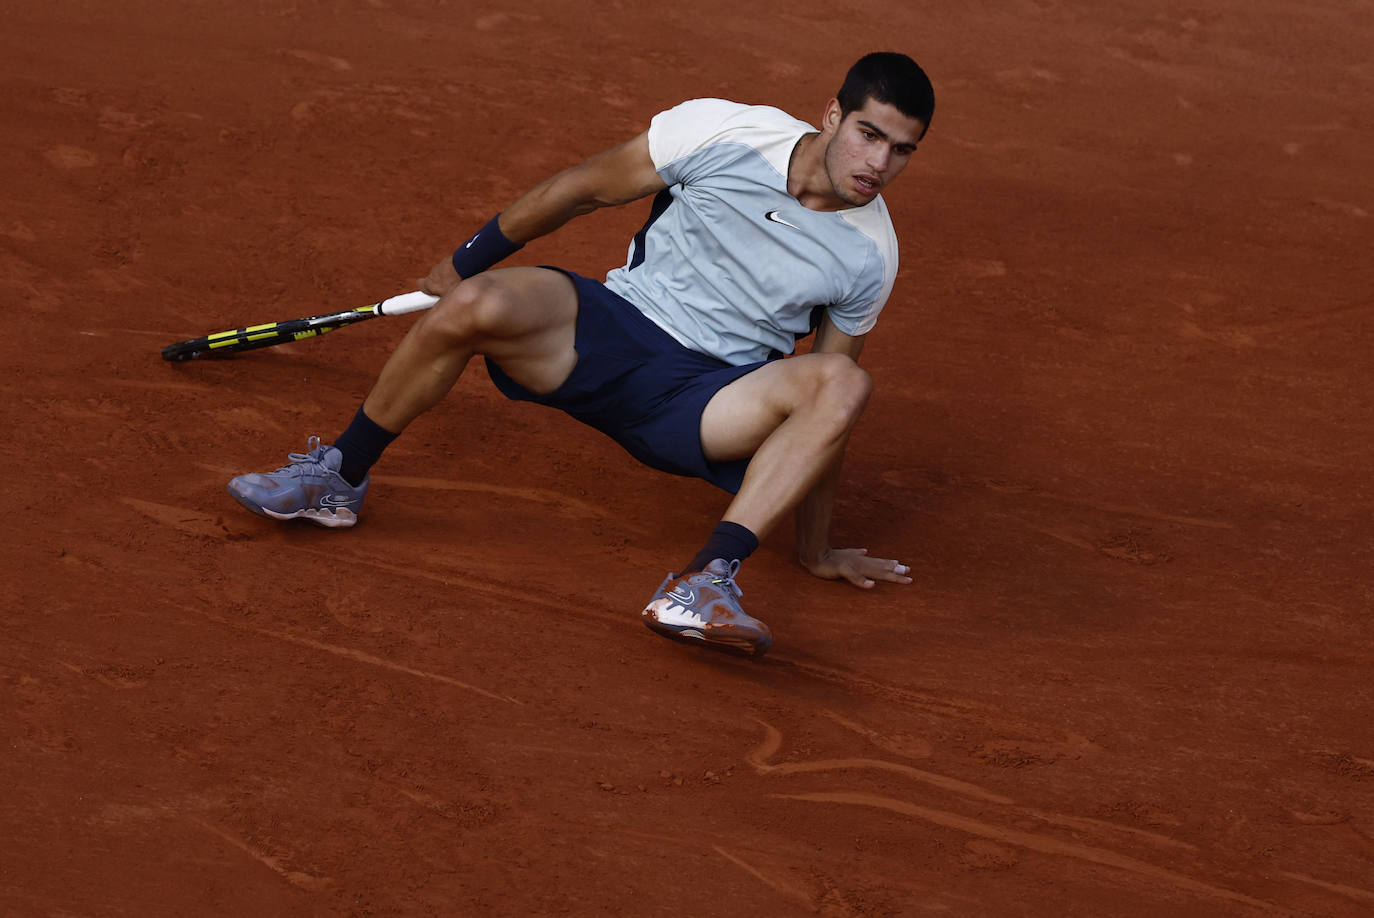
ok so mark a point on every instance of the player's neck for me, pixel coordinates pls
(807, 180)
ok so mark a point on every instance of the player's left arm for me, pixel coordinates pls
(815, 510)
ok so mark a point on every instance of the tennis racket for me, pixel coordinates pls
(256, 336)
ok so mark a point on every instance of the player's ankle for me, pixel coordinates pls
(729, 541)
(361, 444)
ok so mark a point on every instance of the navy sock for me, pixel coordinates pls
(730, 541)
(362, 445)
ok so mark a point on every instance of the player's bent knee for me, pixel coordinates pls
(451, 317)
(472, 310)
(842, 382)
(833, 390)
(852, 392)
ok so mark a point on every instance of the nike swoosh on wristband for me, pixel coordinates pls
(773, 215)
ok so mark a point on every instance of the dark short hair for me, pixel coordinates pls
(890, 77)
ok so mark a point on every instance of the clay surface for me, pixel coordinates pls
(1121, 432)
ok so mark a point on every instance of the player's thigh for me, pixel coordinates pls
(525, 319)
(509, 303)
(743, 414)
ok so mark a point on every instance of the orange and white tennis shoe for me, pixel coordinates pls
(704, 606)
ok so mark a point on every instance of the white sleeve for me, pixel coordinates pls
(874, 283)
(684, 129)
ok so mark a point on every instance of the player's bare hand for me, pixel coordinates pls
(855, 565)
(441, 278)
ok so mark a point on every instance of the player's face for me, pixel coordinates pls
(869, 148)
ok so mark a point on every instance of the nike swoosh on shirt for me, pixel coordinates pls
(773, 215)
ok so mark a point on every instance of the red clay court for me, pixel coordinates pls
(1121, 431)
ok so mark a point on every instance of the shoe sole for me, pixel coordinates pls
(724, 643)
(330, 519)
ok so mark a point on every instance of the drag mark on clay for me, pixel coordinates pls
(156, 385)
(1362, 895)
(791, 892)
(326, 61)
(469, 815)
(433, 804)
(1061, 535)
(294, 877)
(1341, 207)
(116, 677)
(782, 887)
(564, 503)
(106, 332)
(902, 744)
(184, 520)
(1093, 825)
(517, 598)
(359, 656)
(1120, 509)
(758, 759)
(1249, 335)
(1030, 841)
(65, 156)
(1123, 547)
(1069, 744)
(924, 480)
(1331, 316)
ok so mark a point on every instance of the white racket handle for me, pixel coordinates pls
(406, 302)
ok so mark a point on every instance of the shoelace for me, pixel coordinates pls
(729, 579)
(312, 454)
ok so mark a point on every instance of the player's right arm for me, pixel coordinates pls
(613, 177)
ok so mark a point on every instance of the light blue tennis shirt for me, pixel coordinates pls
(732, 265)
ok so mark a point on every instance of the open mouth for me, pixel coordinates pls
(867, 184)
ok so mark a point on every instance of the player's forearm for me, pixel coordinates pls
(541, 210)
(813, 517)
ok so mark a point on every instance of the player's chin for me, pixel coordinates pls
(860, 196)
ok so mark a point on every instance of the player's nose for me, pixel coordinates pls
(878, 157)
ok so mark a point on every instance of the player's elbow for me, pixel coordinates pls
(613, 177)
(591, 192)
(571, 194)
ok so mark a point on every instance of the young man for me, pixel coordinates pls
(762, 230)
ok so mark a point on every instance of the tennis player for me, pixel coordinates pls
(763, 229)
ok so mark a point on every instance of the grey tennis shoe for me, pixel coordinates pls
(309, 487)
(705, 606)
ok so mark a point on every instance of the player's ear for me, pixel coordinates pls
(832, 117)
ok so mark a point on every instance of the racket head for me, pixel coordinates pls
(253, 337)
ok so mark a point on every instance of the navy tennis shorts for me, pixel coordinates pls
(635, 383)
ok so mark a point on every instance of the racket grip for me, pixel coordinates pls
(406, 302)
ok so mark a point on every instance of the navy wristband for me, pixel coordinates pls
(488, 246)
